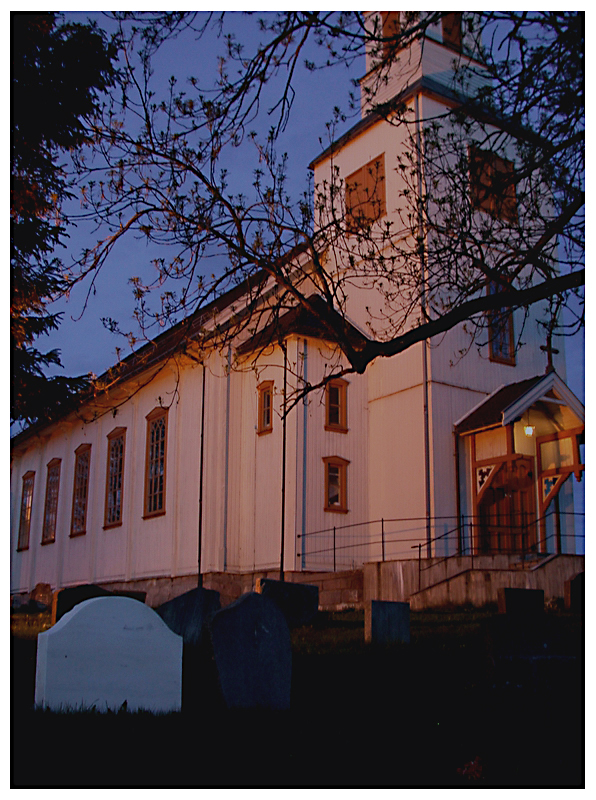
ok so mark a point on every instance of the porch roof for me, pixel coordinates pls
(508, 403)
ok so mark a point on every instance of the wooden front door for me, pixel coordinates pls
(506, 510)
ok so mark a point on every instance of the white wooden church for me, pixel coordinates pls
(187, 465)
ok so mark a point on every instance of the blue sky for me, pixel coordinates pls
(85, 345)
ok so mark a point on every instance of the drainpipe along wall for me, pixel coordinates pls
(425, 344)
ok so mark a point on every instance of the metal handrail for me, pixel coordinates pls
(385, 539)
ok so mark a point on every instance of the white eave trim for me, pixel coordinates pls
(550, 382)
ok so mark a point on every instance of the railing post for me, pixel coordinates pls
(419, 567)
(334, 557)
(382, 539)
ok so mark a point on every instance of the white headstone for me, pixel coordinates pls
(106, 651)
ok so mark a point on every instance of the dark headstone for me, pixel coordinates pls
(251, 646)
(66, 599)
(188, 614)
(387, 622)
(521, 602)
(298, 601)
(575, 594)
(18, 602)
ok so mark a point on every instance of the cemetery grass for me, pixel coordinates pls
(438, 713)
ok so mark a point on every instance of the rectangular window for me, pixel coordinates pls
(492, 184)
(155, 465)
(451, 24)
(26, 505)
(336, 411)
(50, 513)
(390, 27)
(336, 469)
(81, 490)
(365, 194)
(114, 478)
(265, 420)
(501, 343)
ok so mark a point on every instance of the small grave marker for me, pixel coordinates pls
(521, 602)
(42, 593)
(387, 622)
(106, 652)
(575, 593)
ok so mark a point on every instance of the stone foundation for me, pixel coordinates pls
(337, 590)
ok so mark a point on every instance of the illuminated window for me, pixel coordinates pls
(365, 194)
(51, 505)
(492, 184)
(265, 420)
(81, 490)
(390, 27)
(26, 505)
(336, 410)
(501, 343)
(451, 24)
(336, 470)
(114, 478)
(155, 468)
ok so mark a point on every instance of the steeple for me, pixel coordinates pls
(442, 60)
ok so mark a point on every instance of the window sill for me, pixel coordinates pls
(336, 428)
(154, 514)
(509, 362)
(22, 549)
(112, 525)
(77, 534)
(336, 510)
(264, 431)
(48, 541)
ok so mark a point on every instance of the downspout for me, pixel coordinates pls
(460, 539)
(425, 343)
(227, 462)
(283, 465)
(304, 436)
(201, 463)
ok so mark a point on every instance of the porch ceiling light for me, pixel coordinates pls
(529, 430)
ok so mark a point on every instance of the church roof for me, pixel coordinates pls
(301, 322)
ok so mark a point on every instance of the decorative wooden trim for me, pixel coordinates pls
(498, 459)
(551, 437)
(48, 531)
(117, 433)
(265, 407)
(156, 414)
(80, 453)
(561, 473)
(509, 437)
(340, 467)
(336, 413)
(28, 487)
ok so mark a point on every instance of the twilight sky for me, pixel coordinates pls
(86, 346)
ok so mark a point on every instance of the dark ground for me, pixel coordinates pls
(453, 708)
